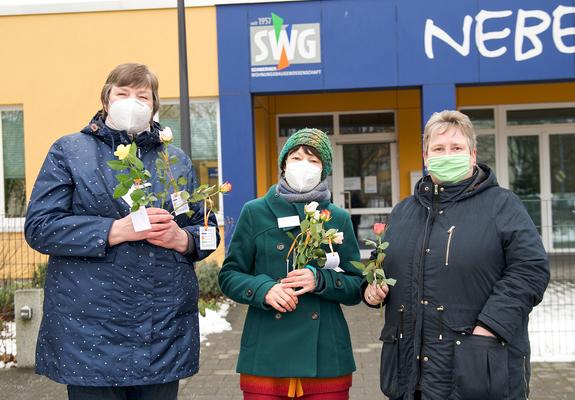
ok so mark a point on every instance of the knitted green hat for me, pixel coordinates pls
(313, 138)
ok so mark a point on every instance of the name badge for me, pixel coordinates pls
(208, 238)
(140, 220)
(180, 206)
(287, 222)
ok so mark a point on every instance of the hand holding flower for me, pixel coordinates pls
(281, 298)
(302, 279)
(373, 269)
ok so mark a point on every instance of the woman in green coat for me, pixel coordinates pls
(295, 342)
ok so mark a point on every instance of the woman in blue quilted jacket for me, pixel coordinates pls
(120, 309)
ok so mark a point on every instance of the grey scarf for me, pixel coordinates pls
(318, 193)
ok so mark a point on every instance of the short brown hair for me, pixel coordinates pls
(441, 122)
(307, 149)
(132, 75)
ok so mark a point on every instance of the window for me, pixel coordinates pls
(204, 117)
(12, 175)
(483, 120)
(290, 125)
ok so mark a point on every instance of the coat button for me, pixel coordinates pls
(426, 188)
(458, 343)
(425, 358)
(280, 246)
(338, 282)
(424, 302)
(249, 292)
(314, 315)
(427, 251)
(278, 316)
(441, 211)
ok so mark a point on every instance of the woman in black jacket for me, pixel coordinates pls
(470, 267)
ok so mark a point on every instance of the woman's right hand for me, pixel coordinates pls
(281, 298)
(122, 229)
(375, 294)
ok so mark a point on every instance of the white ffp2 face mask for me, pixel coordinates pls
(130, 115)
(302, 176)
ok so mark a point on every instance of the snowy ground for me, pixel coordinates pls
(214, 321)
(7, 344)
(552, 324)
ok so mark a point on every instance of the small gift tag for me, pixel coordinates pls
(140, 220)
(287, 222)
(127, 197)
(332, 261)
(180, 205)
(208, 238)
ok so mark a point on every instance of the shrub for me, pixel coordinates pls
(6, 304)
(207, 274)
(211, 304)
(39, 276)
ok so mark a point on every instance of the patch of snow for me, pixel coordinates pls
(552, 324)
(7, 343)
(214, 321)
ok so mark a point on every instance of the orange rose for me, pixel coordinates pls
(378, 228)
(226, 187)
(324, 215)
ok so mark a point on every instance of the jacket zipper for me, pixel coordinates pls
(440, 310)
(450, 233)
(401, 311)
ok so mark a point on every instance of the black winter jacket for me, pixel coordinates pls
(462, 254)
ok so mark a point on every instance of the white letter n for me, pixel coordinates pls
(432, 30)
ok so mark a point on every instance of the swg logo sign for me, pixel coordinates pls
(274, 43)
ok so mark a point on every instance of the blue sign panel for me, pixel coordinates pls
(348, 44)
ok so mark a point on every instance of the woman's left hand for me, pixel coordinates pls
(300, 278)
(168, 235)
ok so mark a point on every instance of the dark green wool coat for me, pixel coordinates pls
(313, 340)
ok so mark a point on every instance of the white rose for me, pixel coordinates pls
(316, 215)
(166, 135)
(311, 207)
(338, 238)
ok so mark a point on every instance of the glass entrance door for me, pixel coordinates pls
(562, 177)
(367, 185)
(524, 181)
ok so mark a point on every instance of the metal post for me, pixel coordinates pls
(184, 94)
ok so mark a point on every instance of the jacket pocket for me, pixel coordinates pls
(480, 369)
(389, 369)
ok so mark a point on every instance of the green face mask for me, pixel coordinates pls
(449, 169)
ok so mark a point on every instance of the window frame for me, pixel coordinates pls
(9, 224)
(220, 214)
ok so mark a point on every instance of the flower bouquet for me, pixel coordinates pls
(373, 269)
(306, 245)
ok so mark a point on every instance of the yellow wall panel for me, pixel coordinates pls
(55, 65)
(515, 94)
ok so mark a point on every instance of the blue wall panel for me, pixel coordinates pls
(359, 44)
